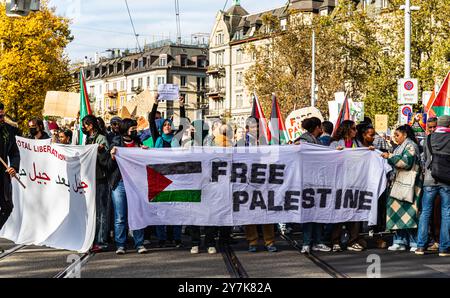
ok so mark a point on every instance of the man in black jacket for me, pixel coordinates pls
(8, 151)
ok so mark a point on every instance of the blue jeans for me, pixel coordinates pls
(119, 199)
(429, 194)
(407, 237)
(312, 233)
(161, 233)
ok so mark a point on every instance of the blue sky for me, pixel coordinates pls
(101, 24)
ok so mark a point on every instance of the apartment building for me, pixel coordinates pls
(113, 83)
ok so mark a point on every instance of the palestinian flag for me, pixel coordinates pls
(85, 107)
(174, 182)
(278, 133)
(441, 104)
(258, 114)
(344, 114)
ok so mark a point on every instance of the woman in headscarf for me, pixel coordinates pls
(167, 137)
(312, 232)
(402, 209)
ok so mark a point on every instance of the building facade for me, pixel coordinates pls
(235, 29)
(114, 83)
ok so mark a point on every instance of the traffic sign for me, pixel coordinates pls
(404, 112)
(408, 91)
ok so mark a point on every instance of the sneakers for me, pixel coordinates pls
(355, 247)
(444, 253)
(120, 251)
(420, 251)
(252, 248)
(178, 244)
(306, 249)
(212, 250)
(434, 247)
(194, 250)
(397, 247)
(337, 248)
(142, 250)
(271, 248)
(321, 247)
(413, 249)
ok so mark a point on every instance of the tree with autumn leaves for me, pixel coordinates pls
(32, 61)
(358, 51)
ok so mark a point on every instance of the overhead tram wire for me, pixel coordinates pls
(132, 25)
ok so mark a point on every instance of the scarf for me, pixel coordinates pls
(399, 150)
(168, 138)
(443, 129)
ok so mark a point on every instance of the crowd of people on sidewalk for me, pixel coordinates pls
(415, 205)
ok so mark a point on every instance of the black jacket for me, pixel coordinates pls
(114, 175)
(10, 152)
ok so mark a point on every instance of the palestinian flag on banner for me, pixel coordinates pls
(85, 107)
(440, 106)
(277, 127)
(258, 114)
(174, 182)
(344, 114)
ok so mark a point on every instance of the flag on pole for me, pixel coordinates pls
(440, 106)
(277, 128)
(258, 114)
(344, 114)
(85, 107)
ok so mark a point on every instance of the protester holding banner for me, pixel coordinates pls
(405, 191)
(239, 136)
(8, 151)
(345, 138)
(327, 128)
(199, 134)
(127, 138)
(312, 232)
(115, 128)
(167, 137)
(251, 231)
(379, 142)
(94, 135)
(37, 130)
(439, 143)
(65, 137)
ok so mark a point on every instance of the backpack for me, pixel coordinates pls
(440, 165)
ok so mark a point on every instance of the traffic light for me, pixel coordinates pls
(21, 8)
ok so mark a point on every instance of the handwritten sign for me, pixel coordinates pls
(168, 92)
(294, 121)
(381, 123)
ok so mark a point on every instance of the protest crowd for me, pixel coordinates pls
(420, 222)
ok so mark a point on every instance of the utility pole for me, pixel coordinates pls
(313, 72)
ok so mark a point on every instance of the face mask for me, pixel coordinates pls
(33, 131)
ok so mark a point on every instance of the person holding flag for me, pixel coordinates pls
(277, 128)
(85, 107)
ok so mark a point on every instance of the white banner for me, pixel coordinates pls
(57, 208)
(260, 185)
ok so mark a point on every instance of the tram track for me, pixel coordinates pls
(234, 266)
(74, 269)
(326, 267)
(11, 251)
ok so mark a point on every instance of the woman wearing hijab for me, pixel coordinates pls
(405, 191)
(167, 137)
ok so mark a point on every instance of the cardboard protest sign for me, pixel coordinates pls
(294, 121)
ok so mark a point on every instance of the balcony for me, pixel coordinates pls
(112, 94)
(216, 70)
(216, 93)
(137, 90)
